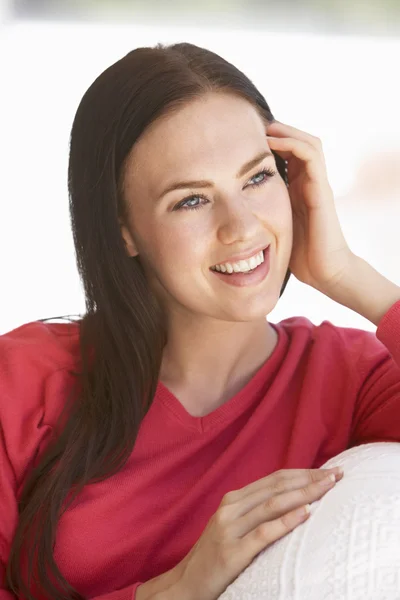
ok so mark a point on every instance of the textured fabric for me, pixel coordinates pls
(324, 389)
(348, 549)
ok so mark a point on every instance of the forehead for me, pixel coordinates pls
(207, 131)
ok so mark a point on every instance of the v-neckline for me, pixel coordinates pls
(227, 411)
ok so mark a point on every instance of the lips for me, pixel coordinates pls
(238, 258)
(248, 279)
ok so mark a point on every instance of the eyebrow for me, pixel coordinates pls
(203, 183)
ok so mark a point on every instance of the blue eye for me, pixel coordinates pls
(184, 205)
(265, 174)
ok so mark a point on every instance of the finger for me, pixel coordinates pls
(286, 498)
(269, 532)
(279, 129)
(288, 148)
(296, 493)
(277, 504)
(248, 517)
(284, 480)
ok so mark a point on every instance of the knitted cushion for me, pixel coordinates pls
(348, 549)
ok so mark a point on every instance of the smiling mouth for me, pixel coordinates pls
(242, 266)
(247, 278)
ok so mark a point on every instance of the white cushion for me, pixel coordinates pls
(348, 549)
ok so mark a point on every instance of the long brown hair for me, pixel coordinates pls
(122, 333)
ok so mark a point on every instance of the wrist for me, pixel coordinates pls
(175, 591)
(166, 586)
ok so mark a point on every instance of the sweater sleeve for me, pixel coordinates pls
(32, 371)
(22, 384)
(376, 416)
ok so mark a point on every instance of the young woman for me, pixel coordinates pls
(154, 447)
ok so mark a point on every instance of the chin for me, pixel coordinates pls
(258, 312)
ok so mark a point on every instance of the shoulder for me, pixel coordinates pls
(36, 350)
(37, 365)
(37, 337)
(329, 340)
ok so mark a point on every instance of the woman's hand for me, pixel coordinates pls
(320, 255)
(247, 521)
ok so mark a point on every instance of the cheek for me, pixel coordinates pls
(283, 199)
(286, 212)
(176, 248)
(276, 207)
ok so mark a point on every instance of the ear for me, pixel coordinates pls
(129, 242)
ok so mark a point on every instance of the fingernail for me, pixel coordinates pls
(338, 470)
(328, 480)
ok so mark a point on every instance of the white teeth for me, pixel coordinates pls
(253, 262)
(242, 266)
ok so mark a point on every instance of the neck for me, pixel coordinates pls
(215, 355)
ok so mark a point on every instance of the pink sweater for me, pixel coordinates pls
(323, 390)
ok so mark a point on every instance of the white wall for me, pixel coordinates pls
(343, 90)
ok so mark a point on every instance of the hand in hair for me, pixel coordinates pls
(320, 254)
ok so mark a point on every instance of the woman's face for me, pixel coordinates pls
(180, 233)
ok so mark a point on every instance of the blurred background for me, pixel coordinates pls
(328, 67)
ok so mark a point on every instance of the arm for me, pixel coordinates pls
(377, 409)
(8, 524)
(24, 426)
(366, 291)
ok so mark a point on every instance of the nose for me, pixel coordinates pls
(238, 222)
